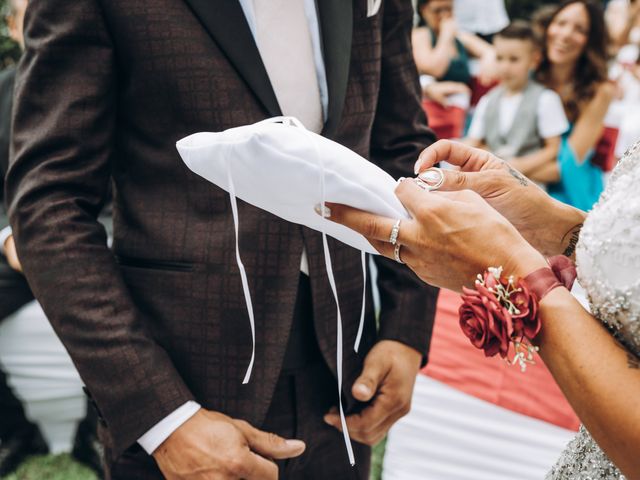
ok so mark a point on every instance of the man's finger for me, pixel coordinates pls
(259, 468)
(269, 445)
(371, 424)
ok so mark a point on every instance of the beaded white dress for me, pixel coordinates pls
(608, 259)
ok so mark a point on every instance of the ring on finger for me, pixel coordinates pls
(395, 231)
(396, 253)
(432, 178)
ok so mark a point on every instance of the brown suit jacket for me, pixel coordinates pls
(104, 90)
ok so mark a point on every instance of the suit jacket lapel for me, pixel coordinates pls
(336, 28)
(226, 23)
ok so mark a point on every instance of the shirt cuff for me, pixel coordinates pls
(161, 431)
(5, 233)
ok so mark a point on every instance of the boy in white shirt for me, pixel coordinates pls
(520, 120)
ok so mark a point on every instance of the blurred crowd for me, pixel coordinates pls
(557, 96)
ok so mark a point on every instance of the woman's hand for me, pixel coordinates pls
(548, 225)
(439, 92)
(451, 238)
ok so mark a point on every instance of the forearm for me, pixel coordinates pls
(548, 173)
(530, 164)
(598, 377)
(431, 61)
(589, 126)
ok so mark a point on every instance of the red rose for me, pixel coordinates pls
(485, 322)
(526, 323)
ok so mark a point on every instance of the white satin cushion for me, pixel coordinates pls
(280, 167)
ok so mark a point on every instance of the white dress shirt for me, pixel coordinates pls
(161, 431)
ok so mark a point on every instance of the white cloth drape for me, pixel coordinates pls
(449, 435)
(42, 375)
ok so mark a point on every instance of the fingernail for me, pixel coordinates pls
(295, 444)
(363, 390)
(431, 177)
(326, 213)
(416, 168)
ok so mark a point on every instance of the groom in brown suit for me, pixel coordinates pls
(158, 326)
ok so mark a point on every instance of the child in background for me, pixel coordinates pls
(520, 120)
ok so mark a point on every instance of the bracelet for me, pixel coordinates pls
(502, 312)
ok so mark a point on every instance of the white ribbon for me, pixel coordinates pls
(243, 272)
(372, 7)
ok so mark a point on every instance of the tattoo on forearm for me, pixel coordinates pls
(574, 236)
(517, 175)
(633, 361)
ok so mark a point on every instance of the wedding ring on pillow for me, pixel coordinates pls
(396, 253)
(395, 231)
(431, 179)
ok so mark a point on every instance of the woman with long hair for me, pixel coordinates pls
(574, 64)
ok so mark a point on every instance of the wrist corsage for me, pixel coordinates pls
(501, 313)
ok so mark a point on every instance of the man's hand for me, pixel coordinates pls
(213, 446)
(388, 378)
(11, 254)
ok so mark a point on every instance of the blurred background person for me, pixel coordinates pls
(443, 55)
(19, 436)
(574, 65)
(484, 18)
(623, 24)
(520, 120)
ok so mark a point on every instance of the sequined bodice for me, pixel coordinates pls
(608, 258)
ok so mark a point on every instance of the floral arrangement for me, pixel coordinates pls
(500, 316)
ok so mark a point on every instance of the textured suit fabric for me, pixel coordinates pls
(164, 320)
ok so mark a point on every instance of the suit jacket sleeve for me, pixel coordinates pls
(399, 134)
(64, 126)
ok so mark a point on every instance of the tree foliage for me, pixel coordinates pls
(9, 50)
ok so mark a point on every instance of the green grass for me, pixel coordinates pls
(52, 467)
(63, 467)
(376, 460)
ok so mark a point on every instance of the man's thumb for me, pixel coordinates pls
(365, 387)
(270, 445)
